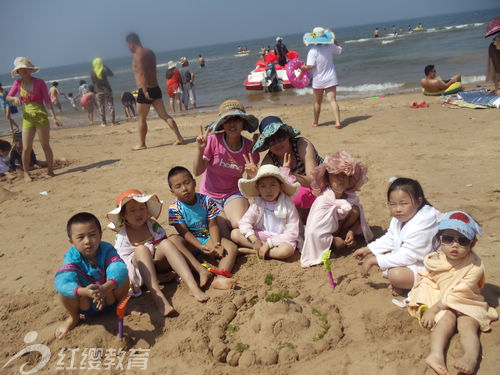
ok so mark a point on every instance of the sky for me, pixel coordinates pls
(61, 32)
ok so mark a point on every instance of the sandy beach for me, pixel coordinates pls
(354, 329)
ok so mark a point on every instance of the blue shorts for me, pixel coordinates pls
(94, 310)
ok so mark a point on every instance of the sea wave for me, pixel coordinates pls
(372, 87)
(473, 79)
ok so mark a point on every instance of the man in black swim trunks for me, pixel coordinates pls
(149, 93)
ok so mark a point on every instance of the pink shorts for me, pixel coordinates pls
(263, 236)
(305, 198)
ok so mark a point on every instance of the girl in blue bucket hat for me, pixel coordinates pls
(287, 149)
(447, 296)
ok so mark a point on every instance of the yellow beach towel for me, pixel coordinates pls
(98, 67)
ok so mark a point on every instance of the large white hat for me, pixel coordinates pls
(248, 187)
(23, 62)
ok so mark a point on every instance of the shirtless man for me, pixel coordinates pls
(144, 66)
(53, 93)
(433, 83)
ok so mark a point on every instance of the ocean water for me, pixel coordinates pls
(367, 66)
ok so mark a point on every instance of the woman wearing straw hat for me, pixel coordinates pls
(320, 61)
(288, 150)
(33, 93)
(222, 158)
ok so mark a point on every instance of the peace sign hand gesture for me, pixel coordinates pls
(250, 167)
(201, 140)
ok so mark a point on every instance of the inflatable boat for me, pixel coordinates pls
(268, 75)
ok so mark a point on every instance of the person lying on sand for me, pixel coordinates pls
(433, 83)
(93, 278)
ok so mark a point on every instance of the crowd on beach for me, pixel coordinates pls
(294, 200)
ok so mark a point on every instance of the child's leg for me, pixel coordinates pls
(401, 278)
(117, 294)
(226, 263)
(468, 328)
(174, 257)
(172, 104)
(240, 239)
(132, 109)
(282, 251)
(73, 306)
(127, 114)
(440, 336)
(345, 233)
(143, 260)
(182, 246)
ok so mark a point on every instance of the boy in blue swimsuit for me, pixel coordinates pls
(194, 216)
(93, 278)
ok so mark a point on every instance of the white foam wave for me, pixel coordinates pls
(358, 40)
(371, 87)
(388, 41)
(473, 79)
(76, 78)
(461, 26)
(479, 24)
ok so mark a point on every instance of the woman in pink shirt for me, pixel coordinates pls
(33, 94)
(222, 158)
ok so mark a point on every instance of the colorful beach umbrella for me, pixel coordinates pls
(493, 27)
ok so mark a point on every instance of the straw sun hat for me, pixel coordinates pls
(171, 64)
(230, 108)
(153, 203)
(248, 187)
(23, 62)
(319, 36)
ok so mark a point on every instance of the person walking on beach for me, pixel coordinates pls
(144, 66)
(33, 94)
(6, 107)
(54, 96)
(188, 91)
(104, 94)
(320, 61)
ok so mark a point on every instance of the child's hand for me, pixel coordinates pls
(257, 245)
(264, 249)
(367, 264)
(287, 161)
(428, 318)
(209, 248)
(201, 140)
(250, 167)
(349, 238)
(219, 249)
(362, 253)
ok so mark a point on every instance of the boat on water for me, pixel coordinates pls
(268, 75)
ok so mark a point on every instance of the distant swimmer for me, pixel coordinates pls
(394, 30)
(409, 28)
(376, 33)
(433, 84)
(201, 60)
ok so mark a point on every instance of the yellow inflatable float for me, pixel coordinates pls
(453, 89)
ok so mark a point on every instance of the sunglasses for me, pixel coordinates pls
(277, 138)
(461, 240)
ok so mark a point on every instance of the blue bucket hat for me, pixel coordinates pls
(462, 222)
(267, 128)
(319, 36)
(230, 108)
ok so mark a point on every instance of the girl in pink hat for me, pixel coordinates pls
(143, 245)
(337, 214)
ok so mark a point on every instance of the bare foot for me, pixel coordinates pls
(139, 147)
(166, 277)
(27, 178)
(466, 364)
(338, 242)
(50, 175)
(222, 282)
(246, 250)
(436, 362)
(178, 142)
(163, 306)
(65, 327)
(205, 276)
(338, 126)
(199, 295)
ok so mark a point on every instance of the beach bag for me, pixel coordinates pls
(13, 109)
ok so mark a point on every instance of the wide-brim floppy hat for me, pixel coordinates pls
(230, 108)
(267, 128)
(248, 187)
(23, 62)
(171, 64)
(153, 203)
(461, 222)
(319, 36)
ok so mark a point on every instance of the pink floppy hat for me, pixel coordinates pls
(340, 162)
(153, 203)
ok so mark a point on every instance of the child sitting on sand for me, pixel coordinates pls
(337, 214)
(447, 295)
(400, 252)
(271, 223)
(194, 216)
(5, 148)
(92, 278)
(143, 245)
(16, 160)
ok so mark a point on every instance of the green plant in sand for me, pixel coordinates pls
(325, 325)
(285, 344)
(242, 347)
(232, 328)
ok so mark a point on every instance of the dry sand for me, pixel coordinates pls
(454, 153)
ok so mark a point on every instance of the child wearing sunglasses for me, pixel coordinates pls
(447, 295)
